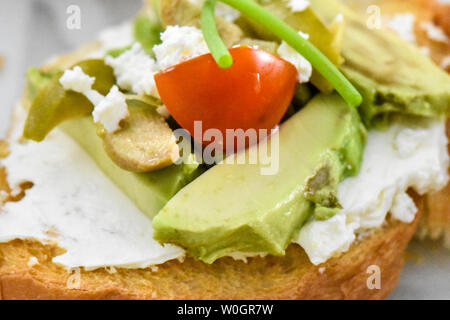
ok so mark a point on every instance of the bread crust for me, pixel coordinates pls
(288, 277)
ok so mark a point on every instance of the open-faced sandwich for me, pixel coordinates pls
(244, 149)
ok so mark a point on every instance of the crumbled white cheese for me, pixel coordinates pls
(303, 66)
(434, 32)
(76, 80)
(178, 45)
(298, 5)
(403, 25)
(403, 208)
(111, 110)
(325, 239)
(134, 70)
(402, 157)
(322, 270)
(32, 262)
(94, 221)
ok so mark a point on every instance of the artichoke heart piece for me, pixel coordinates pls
(393, 76)
(186, 13)
(268, 46)
(327, 40)
(144, 143)
(53, 105)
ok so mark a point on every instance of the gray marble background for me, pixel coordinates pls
(31, 31)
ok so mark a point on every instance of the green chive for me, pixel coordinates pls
(283, 31)
(215, 44)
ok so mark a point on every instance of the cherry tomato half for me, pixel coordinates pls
(253, 94)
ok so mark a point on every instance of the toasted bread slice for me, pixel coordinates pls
(289, 277)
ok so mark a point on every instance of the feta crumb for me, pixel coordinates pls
(178, 45)
(111, 110)
(303, 66)
(322, 270)
(298, 5)
(32, 262)
(332, 236)
(134, 70)
(403, 208)
(434, 32)
(403, 25)
(76, 80)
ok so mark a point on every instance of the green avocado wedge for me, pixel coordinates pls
(53, 105)
(234, 208)
(393, 76)
(149, 191)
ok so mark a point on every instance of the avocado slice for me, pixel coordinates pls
(393, 76)
(234, 208)
(149, 191)
(53, 105)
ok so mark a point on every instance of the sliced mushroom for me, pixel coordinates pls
(145, 142)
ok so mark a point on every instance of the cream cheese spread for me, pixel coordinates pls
(395, 160)
(73, 204)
